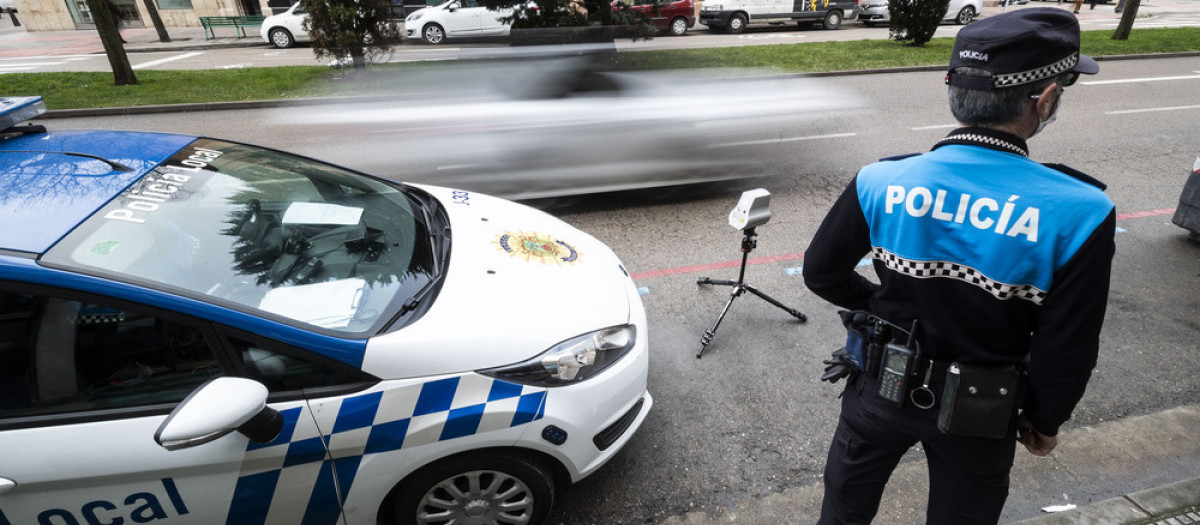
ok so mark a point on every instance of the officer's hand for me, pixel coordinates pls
(837, 366)
(1035, 442)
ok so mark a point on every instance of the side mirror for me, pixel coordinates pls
(216, 408)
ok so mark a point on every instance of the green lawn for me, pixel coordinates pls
(95, 90)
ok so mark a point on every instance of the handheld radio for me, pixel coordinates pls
(897, 365)
(893, 376)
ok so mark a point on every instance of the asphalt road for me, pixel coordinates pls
(751, 419)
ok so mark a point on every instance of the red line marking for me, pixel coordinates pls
(1140, 214)
(799, 256)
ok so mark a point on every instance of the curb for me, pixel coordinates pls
(1172, 504)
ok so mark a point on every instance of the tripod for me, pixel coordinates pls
(749, 242)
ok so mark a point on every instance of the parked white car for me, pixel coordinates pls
(285, 29)
(456, 19)
(871, 12)
(8, 6)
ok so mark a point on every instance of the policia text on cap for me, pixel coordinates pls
(993, 276)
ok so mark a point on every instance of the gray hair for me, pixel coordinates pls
(990, 108)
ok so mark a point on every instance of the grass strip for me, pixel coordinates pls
(75, 90)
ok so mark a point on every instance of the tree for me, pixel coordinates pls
(914, 21)
(1128, 15)
(110, 36)
(351, 31)
(156, 20)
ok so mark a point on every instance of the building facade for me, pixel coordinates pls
(66, 15)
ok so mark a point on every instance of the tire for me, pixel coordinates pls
(518, 481)
(433, 34)
(737, 23)
(678, 26)
(281, 38)
(965, 16)
(833, 20)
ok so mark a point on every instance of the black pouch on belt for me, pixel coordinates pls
(979, 401)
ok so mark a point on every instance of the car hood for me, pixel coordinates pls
(518, 282)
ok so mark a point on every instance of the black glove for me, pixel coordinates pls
(838, 366)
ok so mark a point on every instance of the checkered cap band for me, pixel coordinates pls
(960, 272)
(1034, 75)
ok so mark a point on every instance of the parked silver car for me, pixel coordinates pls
(871, 12)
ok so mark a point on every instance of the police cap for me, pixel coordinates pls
(1019, 47)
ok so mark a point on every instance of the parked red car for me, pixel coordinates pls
(669, 16)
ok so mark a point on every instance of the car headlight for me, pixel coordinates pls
(414, 17)
(571, 361)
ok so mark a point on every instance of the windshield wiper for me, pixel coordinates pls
(413, 302)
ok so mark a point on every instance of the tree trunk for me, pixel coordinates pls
(110, 36)
(156, 20)
(1128, 15)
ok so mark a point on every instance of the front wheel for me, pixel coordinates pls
(281, 38)
(965, 16)
(833, 20)
(433, 34)
(678, 26)
(737, 23)
(479, 488)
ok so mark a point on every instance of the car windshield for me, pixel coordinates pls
(292, 238)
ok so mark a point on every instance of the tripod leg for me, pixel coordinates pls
(712, 332)
(725, 282)
(795, 313)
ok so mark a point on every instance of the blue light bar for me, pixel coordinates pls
(15, 110)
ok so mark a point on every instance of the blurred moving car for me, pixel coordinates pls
(871, 12)
(547, 126)
(221, 333)
(1187, 215)
(285, 29)
(456, 19)
(674, 17)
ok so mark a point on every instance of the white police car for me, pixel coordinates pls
(200, 331)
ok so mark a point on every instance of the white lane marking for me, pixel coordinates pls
(13, 69)
(781, 141)
(30, 64)
(1136, 80)
(168, 59)
(1149, 110)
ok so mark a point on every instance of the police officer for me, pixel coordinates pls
(1002, 260)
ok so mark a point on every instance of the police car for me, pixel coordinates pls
(199, 331)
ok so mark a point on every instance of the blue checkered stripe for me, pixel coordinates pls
(303, 462)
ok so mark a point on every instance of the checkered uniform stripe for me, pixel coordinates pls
(1034, 75)
(319, 452)
(984, 139)
(960, 272)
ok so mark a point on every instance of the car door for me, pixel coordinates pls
(295, 23)
(85, 384)
(464, 18)
(490, 23)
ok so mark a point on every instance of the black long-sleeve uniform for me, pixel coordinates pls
(1003, 260)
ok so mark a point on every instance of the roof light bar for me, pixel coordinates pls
(15, 110)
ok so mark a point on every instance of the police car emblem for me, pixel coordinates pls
(540, 248)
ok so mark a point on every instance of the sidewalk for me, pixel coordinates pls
(1137, 470)
(16, 42)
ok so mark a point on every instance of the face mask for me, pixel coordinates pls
(1053, 116)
